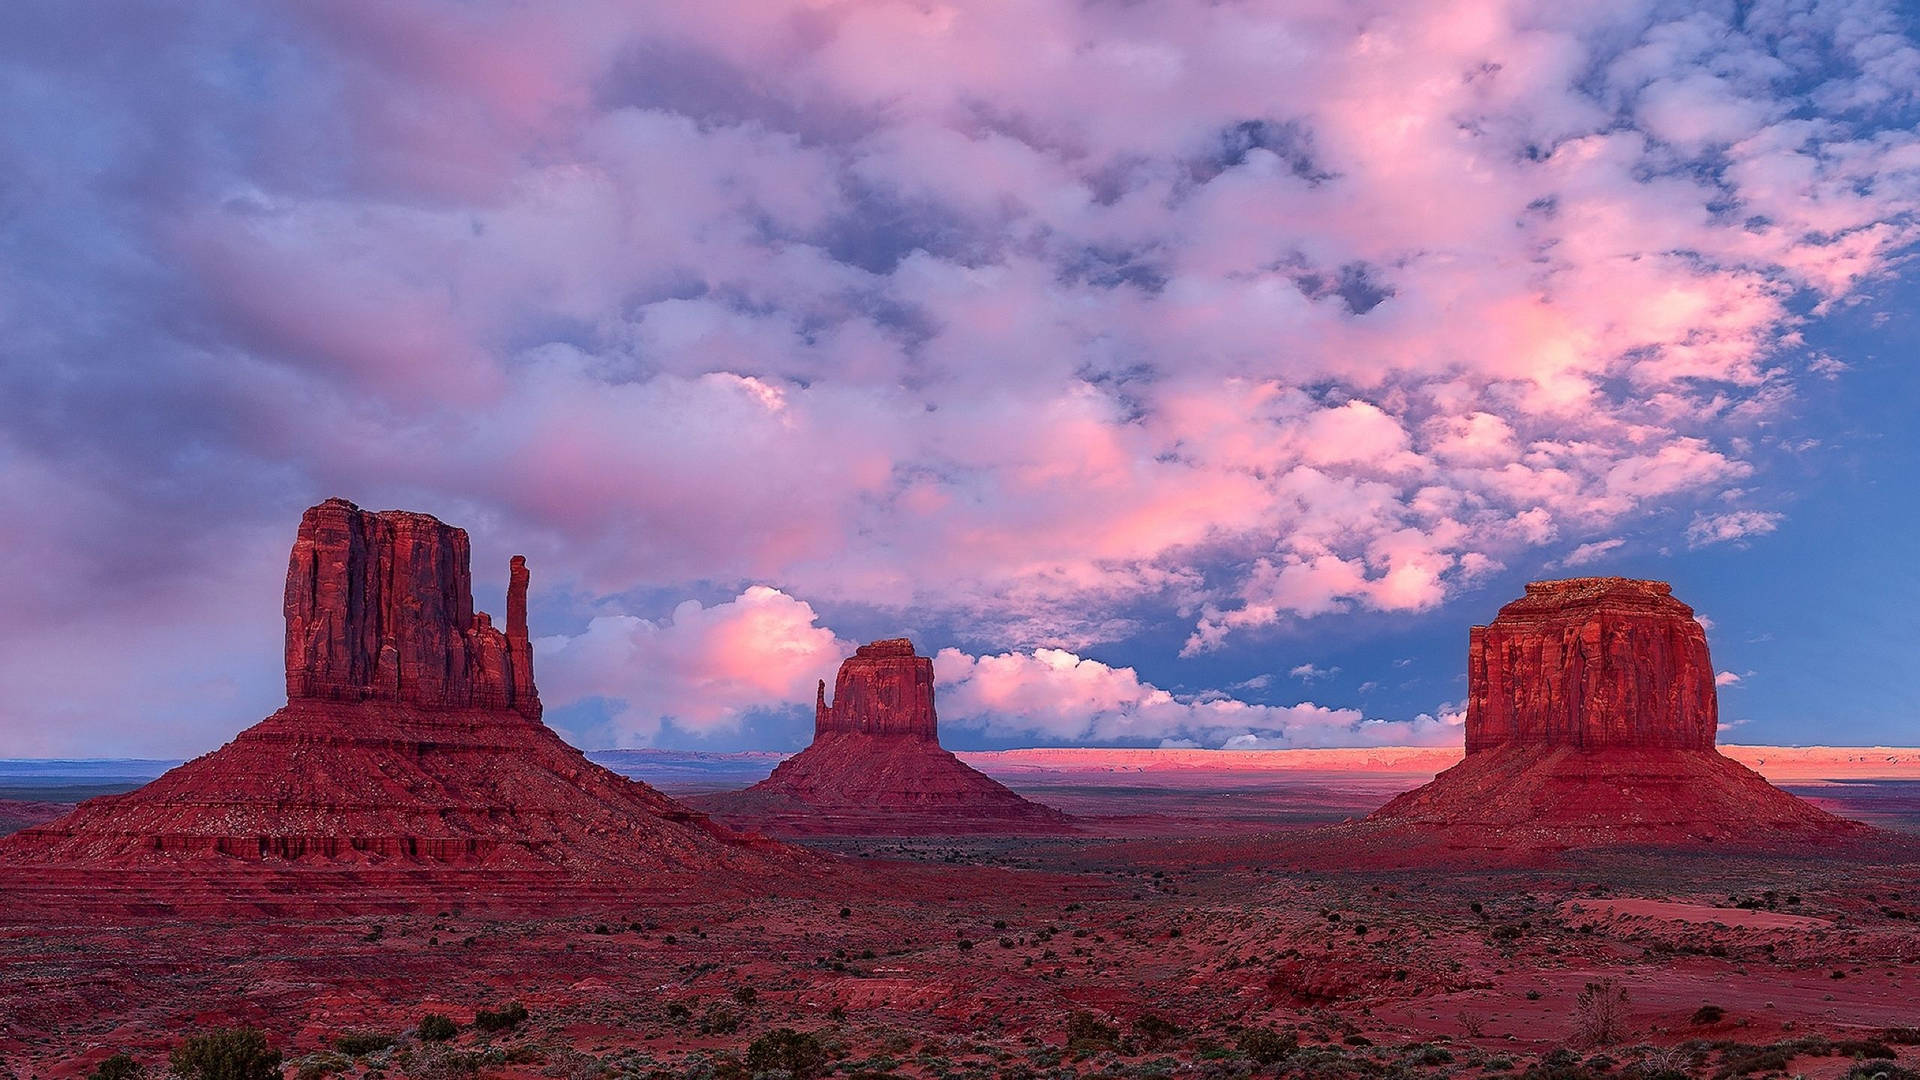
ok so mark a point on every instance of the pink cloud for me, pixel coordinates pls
(1050, 318)
(1056, 695)
(703, 670)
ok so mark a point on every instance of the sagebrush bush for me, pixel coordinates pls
(117, 1067)
(1267, 1046)
(799, 1054)
(511, 1015)
(226, 1054)
(1600, 1013)
(361, 1043)
(1086, 1034)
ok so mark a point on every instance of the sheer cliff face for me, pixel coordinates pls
(1590, 723)
(379, 606)
(882, 689)
(1592, 663)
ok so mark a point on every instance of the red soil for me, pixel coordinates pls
(17, 814)
(1538, 797)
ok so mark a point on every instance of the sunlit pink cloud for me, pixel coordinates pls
(1048, 318)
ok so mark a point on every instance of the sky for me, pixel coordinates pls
(1172, 373)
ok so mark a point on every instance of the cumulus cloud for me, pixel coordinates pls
(1309, 672)
(703, 670)
(1734, 525)
(706, 670)
(1235, 316)
(1059, 696)
(1726, 678)
(1592, 551)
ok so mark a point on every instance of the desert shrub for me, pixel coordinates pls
(1155, 1031)
(1739, 1060)
(1329, 1063)
(1562, 1064)
(1087, 1035)
(1600, 1013)
(1267, 1046)
(437, 1027)
(719, 1020)
(1901, 1036)
(1863, 1048)
(439, 1062)
(799, 1054)
(226, 1054)
(1877, 1070)
(1709, 1014)
(361, 1043)
(321, 1065)
(511, 1015)
(1664, 1063)
(117, 1067)
(746, 995)
(1428, 1054)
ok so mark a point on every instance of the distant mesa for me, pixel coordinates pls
(1591, 718)
(876, 764)
(411, 741)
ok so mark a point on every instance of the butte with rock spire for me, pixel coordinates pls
(1591, 720)
(409, 765)
(876, 764)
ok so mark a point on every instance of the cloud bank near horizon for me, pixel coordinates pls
(708, 670)
(1061, 319)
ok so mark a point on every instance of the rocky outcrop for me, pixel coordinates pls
(1591, 663)
(379, 606)
(411, 743)
(876, 765)
(882, 689)
(1591, 714)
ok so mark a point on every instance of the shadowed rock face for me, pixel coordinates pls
(1591, 663)
(882, 689)
(380, 606)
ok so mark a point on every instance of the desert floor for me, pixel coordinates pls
(1181, 932)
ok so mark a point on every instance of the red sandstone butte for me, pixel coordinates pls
(876, 764)
(379, 606)
(411, 741)
(1591, 715)
(1591, 662)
